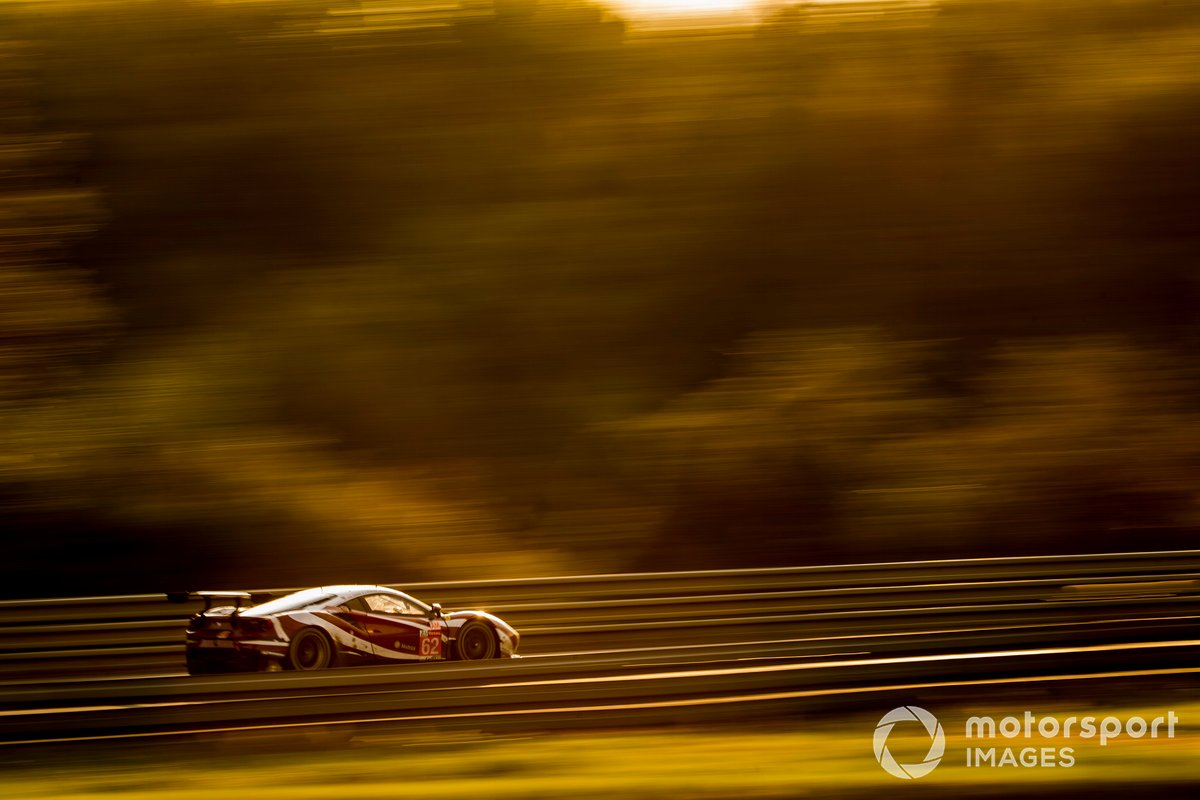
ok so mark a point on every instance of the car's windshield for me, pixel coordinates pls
(394, 604)
(291, 602)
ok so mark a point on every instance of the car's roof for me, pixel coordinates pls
(306, 598)
(353, 588)
(348, 590)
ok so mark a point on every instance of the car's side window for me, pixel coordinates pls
(355, 604)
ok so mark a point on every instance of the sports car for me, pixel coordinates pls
(330, 626)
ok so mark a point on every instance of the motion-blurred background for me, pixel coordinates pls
(304, 292)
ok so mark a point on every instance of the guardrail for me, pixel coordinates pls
(143, 634)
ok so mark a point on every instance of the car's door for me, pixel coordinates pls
(398, 630)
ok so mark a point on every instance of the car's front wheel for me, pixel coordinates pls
(310, 650)
(476, 642)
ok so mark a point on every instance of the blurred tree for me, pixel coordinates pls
(558, 301)
(52, 316)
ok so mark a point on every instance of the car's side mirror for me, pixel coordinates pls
(436, 610)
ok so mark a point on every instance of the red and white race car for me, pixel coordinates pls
(336, 626)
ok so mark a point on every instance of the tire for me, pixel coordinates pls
(475, 642)
(310, 650)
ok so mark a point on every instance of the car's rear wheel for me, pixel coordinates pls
(310, 650)
(476, 642)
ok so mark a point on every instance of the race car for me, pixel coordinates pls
(330, 626)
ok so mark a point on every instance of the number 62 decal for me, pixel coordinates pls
(431, 644)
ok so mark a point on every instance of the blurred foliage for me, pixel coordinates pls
(301, 292)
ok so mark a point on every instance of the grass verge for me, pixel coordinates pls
(821, 757)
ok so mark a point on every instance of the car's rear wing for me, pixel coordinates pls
(237, 598)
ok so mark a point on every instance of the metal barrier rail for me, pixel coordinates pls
(143, 634)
